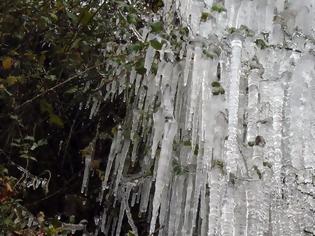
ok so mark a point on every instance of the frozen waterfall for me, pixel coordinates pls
(223, 144)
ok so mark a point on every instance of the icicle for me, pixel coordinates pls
(149, 58)
(145, 195)
(232, 146)
(176, 202)
(86, 174)
(238, 150)
(111, 158)
(227, 225)
(252, 107)
(130, 220)
(103, 221)
(134, 152)
(121, 159)
(158, 130)
(214, 203)
(195, 86)
(88, 155)
(187, 226)
(188, 64)
(277, 106)
(163, 171)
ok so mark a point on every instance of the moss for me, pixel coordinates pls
(217, 8)
(231, 30)
(187, 143)
(218, 90)
(258, 172)
(218, 163)
(205, 16)
(196, 151)
(232, 178)
(267, 164)
(246, 31)
(261, 43)
(215, 84)
(208, 54)
(178, 169)
(251, 143)
(222, 91)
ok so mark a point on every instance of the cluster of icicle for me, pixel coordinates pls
(223, 145)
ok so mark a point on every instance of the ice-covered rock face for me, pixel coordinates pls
(224, 139)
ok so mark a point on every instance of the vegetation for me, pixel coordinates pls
(56, 59)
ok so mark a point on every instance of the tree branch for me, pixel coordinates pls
(57, 86)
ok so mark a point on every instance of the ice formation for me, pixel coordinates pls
(223, 139)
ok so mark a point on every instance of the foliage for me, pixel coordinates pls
(217, 7)
(55, 57)
(217, 88)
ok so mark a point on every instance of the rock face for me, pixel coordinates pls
(222, 140)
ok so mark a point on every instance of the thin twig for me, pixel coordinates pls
(133, 29)
(157, 230)
(65, 187)
(68, 139)
(57, 86)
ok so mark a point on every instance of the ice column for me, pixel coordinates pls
(232, 145)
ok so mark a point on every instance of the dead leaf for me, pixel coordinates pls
(7, 63)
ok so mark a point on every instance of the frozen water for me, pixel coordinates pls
(224, 137)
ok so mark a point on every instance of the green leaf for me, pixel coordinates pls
(72, 16)
(156, 44)
(53, 16)
(130, 233)
(75, 44)
(72, 90)
(132, 19)
(44, 106)
(29, 138)
(156, 27)
(156, 5)
(140, 67)
(136, 46)
(85, 16)
(56, 120)
(26, 156)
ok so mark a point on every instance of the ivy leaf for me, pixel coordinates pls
(156, 44)
(156, 27)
